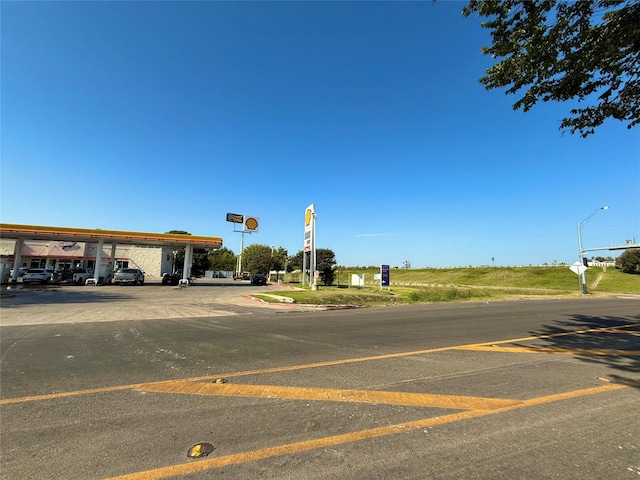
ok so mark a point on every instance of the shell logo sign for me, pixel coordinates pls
(251, 224)
(308, 215)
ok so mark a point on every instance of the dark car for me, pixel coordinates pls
(174, 278)
(62, 276)
(258, 279)
(171, 278)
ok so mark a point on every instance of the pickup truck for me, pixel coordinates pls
(75, 275)
(80, 275)
(134, 276)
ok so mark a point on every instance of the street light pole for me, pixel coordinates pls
(581, 277)
(271, 264)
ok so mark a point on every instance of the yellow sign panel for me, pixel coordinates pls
(251, 224)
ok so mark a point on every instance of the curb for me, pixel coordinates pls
(302, 305)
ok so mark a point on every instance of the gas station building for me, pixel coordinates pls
(32, 246)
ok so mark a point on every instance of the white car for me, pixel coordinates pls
(38, 275)
(21, 271)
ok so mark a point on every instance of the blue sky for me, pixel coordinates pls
(155, 116)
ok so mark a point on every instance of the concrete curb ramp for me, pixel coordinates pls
(289, 302)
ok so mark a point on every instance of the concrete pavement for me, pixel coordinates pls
(77, 304)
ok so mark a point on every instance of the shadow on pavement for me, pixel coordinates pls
(616, 346)
(47, 295)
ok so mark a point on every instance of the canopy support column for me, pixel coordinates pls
(17, 259)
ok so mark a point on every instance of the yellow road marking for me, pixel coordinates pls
(564, 351)
(50, 396)
(332, 395)
(311, 365)
(202, 465)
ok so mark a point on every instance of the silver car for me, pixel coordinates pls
(38, 275)
(133, 276)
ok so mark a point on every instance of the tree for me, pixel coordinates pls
(256, 259)
(587, 50)
(296, 261)
(629, 261)
(222, 259)
(199, 262)
(279, 259)
(326, 261)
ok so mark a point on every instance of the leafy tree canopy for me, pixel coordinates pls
(326, 262)
(222, 259)
(279, 259)
(629, 261)
(256, 259)
(296, 261)
(587, 50)
(326, 265)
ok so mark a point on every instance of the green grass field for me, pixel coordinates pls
(548, 278)
(466, 284)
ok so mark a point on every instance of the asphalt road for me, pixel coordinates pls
(524, 389)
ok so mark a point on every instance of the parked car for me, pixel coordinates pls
(174, 278)
(75, 275)
(21, 271)
(62, 276)
(133, 276)
(259, 279)
(171, 278)
(80, 275)
(38, 275)
(242, 276)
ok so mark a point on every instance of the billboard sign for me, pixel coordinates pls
(235, 218)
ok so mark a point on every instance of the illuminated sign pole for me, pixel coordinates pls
(249, 225)
(314, 256)
(309, 246)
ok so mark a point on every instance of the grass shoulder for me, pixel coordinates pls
(466, 284)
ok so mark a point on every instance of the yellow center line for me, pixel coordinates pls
(329, 363)
(202, 465)
(563, 351)
(50, 396)
(332, 395)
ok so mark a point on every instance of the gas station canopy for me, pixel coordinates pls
(66, 234)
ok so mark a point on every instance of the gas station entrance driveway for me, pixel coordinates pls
(207, 297)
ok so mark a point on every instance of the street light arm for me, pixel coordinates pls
(583, 282)
(595, 211)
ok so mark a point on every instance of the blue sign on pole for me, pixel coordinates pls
(384, 275)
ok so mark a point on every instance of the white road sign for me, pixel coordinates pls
(578, 268)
